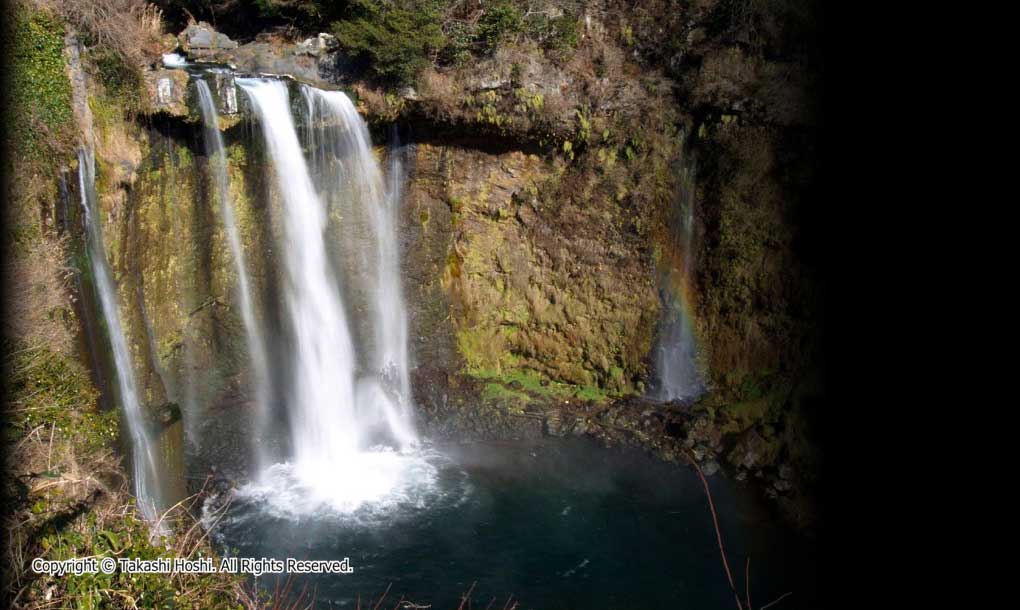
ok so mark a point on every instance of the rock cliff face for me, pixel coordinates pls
(564, 293)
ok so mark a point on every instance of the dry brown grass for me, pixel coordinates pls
(38, 302)
(132, 28)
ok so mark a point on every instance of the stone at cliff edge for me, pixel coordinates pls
(200, 38)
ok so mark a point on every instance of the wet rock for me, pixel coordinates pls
(226, 91)
(493, 82)
(710, 468)
(753, 451)
(703, 430)
(554, 424)
(786, 472)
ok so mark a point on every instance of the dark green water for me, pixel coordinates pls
(558, 524)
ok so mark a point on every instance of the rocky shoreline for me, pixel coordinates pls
(673, 432)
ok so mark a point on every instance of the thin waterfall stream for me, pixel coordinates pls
(253, 333)
(677, 376)
(143, 452)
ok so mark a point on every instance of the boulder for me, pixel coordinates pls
(202, 39)
(753, 451)
(318, 46)
(167, 91)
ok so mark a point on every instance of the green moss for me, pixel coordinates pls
(499, 393)
(122, 81)
(237, 155)
(592, 393)
(481, 347)
(39, 100)
(535, 385)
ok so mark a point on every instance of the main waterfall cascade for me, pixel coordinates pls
(143, 452)
(352, 440)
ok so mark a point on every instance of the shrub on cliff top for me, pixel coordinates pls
(395, 41)
(130, 28)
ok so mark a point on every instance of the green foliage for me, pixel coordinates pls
(396, 40)
(460, 40)
(553, 33)
(123, 82)
(126, 536)
(499, 23)
(592, 393)
(307, 12)
(39, 100)
(498, 393)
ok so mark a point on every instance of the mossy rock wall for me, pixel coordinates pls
(502, 286)
(175, 275)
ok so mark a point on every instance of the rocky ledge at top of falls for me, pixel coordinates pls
(518, 93)
(311, 61)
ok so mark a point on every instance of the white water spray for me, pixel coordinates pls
(174, 60)
(333, 462)
(253, 333)
(143, 459)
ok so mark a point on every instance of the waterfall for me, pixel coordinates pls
(253, 334)
(349, 178)
(676, 366)
(143, 459)
(331, 415)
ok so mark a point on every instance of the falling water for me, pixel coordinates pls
(676, 361)
(146, 473)
(253, 334)
(349, 177)
(333, 463)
